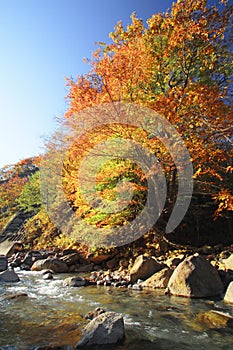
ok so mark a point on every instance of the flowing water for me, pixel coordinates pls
(50, 314)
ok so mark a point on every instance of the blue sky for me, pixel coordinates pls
(41, 42)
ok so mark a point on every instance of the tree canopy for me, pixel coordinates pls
(180, 65)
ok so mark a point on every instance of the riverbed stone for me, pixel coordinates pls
(75, 281)
(158, 280)
(38, 265)
(30, 258)
(144, 266)
(215, 319)
(195, 277)
(85, 268)
(228, 298)
(48, 276)
(73, 259)
(17, 296)
(9, 276)
(50, 263)
(105, 329)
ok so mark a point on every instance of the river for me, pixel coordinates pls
(50, 315)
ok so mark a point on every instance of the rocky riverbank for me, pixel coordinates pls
(178, 272)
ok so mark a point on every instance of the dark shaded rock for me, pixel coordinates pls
(226, 277)
(9, 276)
(205, 249)
(31, 257)
(52, 347)
(112, 263)
(124, 263)
(73, 259)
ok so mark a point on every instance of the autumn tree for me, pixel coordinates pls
(179, 65)
(13, 178)
(30, 198)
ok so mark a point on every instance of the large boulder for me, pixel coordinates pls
(9, 276)
(158, 280)
(229, 294)
(105, 329)
(50, 263)
(144, 267)
(195, 277)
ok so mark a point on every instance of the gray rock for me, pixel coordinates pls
(31, 257)
(3, 263)
(73, 259)
(9, 276)
(75, 282)
(48, 276)
(136, 286)
(158, 280)
(38, 265)
(144, 267)
(229, 294)
(50, 263)
(195, 277)
(105, 329)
